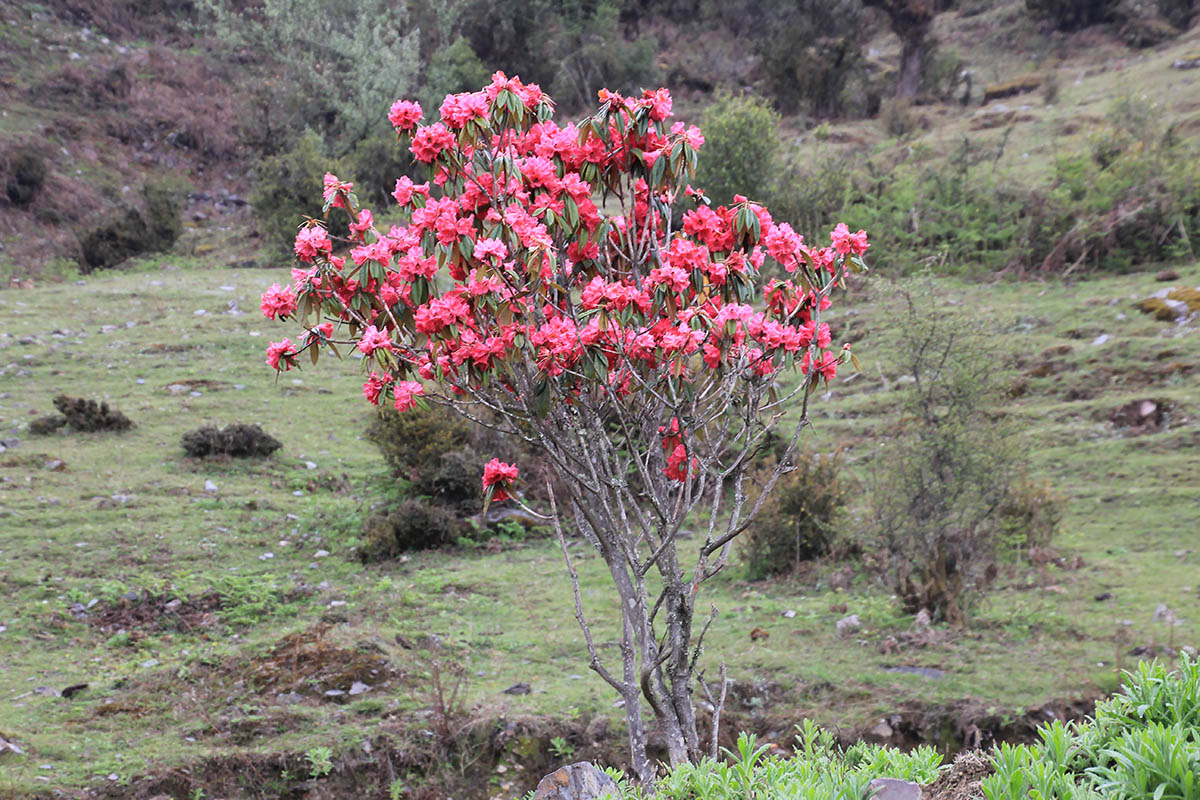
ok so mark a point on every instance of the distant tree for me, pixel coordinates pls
(810, 53)
(351, 59)
(912, 21)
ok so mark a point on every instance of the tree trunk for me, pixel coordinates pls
(911, 20)
(912, 57)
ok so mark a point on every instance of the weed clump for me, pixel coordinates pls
(82, 415)
(236, 441)
(411, 525)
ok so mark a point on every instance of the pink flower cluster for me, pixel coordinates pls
(507, 260)
(498, 477)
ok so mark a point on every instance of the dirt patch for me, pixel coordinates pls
(962, 780)
(1141, 416)
(310, 665)
(149, 613)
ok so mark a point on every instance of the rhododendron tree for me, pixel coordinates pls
(566, 285)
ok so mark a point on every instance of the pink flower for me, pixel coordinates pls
(375, 385)
(498, 477)
(405, 394)
(459, 109)
(278, 302)
(373, 339)
(311, 242)
(691, 135)
(334, 190)
(660, 104)
(404, 115)
(280, 350)
(429, 142)
(405, 189)
(848, 243)
(491, 247)
(364, 224)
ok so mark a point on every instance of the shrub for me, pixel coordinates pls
(411, 525)
(813, 191)
(741, 139)
(414, 442)
(24, 174)
(899, 118)
(819, 768)
(132, 231)
(84, 415)
(937, 486)
(1069, 15)
(235, 441)
(288, 188)
(1178, 12)
(1029, 515)
(799, 520)
(44, 426)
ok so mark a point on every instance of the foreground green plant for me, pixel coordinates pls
(1142, 743)
(819, 770)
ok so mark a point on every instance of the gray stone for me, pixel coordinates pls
(579, 781)
(894, 789)
(848, 624)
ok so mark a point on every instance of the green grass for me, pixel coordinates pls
(506, 617)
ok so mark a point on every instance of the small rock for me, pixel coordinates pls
(177, 388)
(848, 624)
(150, 663)
(199, 312)
(882, 730)
(1167, 275)
(1163, 614)
(321, 554)
(334, 693)
(289, 699)
(56, 465)
(1099, 340)
(265, 556)
(174, 604)
(789, 614)
(310, 465)
(519, 688)
(894, 789)
(358, 688)
(579, 781)
(1100, 598)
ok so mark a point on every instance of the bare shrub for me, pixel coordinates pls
(939, 486)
